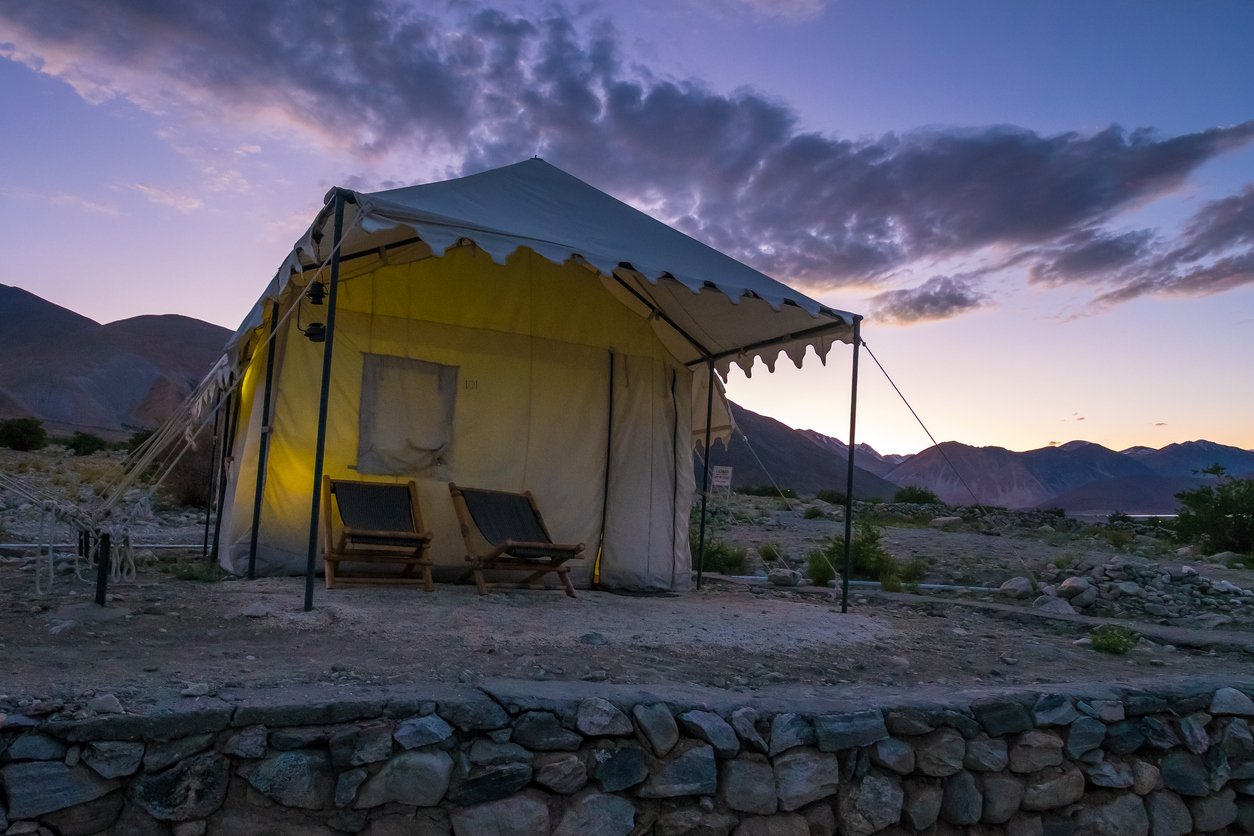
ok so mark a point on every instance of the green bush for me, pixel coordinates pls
(889, 574)
(769, 553)
(1117, 537)
(23, 434)
(820, 567)
(1113, 638)
(914, 570)
(84, 444)
(722, 558)
(916, 495)
(866, 555)
(831, 496)
(812, 513)
(1218, 517)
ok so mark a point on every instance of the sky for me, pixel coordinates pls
(1044, 210)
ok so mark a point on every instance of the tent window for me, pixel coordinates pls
(406, 420)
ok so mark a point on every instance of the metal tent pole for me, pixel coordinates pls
(853, 425)
(705, 477)
(213, 474)
(263, 451)
(228, 445)
(323, 399)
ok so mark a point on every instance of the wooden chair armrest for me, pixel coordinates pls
(396, 535)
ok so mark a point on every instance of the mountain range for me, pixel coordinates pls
(74, 373)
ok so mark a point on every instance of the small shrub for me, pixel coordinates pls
(723, 558)
(916, 495)
(1117, 537)
(813, 513)
(769, 552)
(914, 570)
(820, 567)
(890, 574)
(187, 485)
(866, 554)
(84, 444)
(24, 434)
(1118, 517)
(831, 496)
(1113, 638)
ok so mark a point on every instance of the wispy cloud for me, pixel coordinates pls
(161, 197)
(940, 297)
(384, 80)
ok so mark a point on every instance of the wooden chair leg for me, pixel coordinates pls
(427, 585)
(328, 570)
(564, 574)
(479, 582)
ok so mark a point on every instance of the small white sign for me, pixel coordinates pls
(720, 476)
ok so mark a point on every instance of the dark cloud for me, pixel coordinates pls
(940, 297)
(1091, 256)
(474, 87)
(1214, 252)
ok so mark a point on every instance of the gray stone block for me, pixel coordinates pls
(595, 812)
(1184, 773)
(658, 726)
(294, 779)
(191, 789)
(416, 778)
(416, 732)
(710, 728)
(803, 776)
(691, 771)
(113, 758)
(870, 805)
(34, 788)
(1122, 815)
(837, 732)
(1214, 812)
(597, 717)
(524, 813)
(489, 783)
(962, 801)
(1001, 717)
(940, 753)
(542, 731)
(620, 768)
(789, 731)
(1168, 814)
(1002, 796)
(748, 787)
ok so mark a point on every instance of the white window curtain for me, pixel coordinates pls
(406, 421)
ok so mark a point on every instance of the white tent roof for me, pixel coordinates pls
(705, 305)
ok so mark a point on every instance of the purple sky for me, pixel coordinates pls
(1045, 210)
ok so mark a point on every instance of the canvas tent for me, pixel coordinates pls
(514, 329)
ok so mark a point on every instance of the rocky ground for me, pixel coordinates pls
(179, 627)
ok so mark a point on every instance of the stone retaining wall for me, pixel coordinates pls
(574, 758)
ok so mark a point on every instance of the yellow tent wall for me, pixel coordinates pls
(532, 343)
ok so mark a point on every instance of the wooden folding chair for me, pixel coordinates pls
(381, 524)
(515, 532)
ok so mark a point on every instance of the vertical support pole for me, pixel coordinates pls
(853, 425)
(102, 568)
(210, 493)
(705, 477)
(323, 399)
(605, 493)
(228, 445)
(263, 451)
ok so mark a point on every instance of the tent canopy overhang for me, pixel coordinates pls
(706, 306)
